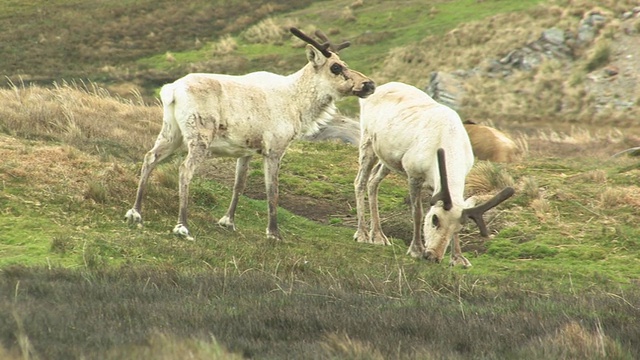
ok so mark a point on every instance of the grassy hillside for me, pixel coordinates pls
(563, 254)
(142, 45)
(46, 41)
(558, 278)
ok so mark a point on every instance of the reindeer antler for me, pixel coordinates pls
(334, 48)
(304, 37)
(476, 212)
(444, 193)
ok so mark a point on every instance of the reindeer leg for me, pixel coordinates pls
(376, 235)
(416, 249)
(456, 254)
(166, 143)
(271, 169)
(197, 153)
(242, 167)
(366, 159)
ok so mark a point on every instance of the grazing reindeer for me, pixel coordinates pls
(491, 144)
(406, 131)
(240, 116)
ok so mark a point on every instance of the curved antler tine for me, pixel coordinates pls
(343, 45)
(334, 48)
(444, 193)
(304, 37)
(476, 212)
(322, 36)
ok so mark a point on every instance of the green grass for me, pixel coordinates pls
(38, 232)
(558, 278)
(403, 25)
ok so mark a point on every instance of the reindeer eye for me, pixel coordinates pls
(435, 221)
(336, 69)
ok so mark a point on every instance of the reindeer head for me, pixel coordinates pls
(445, 219)
(332, 70)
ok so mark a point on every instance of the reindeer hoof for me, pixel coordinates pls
(273, 235)
(460, 260)
(182, 231)
(378, 238)
(360, 238)
(416, 254)
(381, 240)
(133, 217)
(225, 221)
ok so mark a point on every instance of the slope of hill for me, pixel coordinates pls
(46, 41)
(558, 278)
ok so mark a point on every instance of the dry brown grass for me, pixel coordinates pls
(343, 347)
(553, 93)
(81, 115)
(574, 341)
(541, 208)
(168, 347)
(528, 185)
(595, 176)
(85, 128)
(465, 47)
(613, 197)
(578, 140)
(487, 177)
(267, 31)
(224, 46)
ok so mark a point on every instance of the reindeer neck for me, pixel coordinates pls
(315, 109)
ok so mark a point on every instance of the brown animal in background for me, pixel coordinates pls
(491, 144)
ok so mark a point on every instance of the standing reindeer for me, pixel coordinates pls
(406, 131)
(240, 116)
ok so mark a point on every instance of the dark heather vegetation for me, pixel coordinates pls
(101, 40)
(559, 277)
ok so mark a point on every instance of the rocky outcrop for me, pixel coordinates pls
(447, 88)
(554, 43)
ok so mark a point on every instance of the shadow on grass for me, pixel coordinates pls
(124, 313)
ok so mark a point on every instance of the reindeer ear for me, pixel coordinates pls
(315, 56)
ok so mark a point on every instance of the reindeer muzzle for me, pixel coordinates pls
(368, 88)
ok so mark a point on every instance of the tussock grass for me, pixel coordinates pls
(574, 341)
(542, 208)
(343, 347)
(529, 187)
(80, 115)
(96, 192)
(487, 177)
(164, 346)
(167, 175)
(596, 176)
(600, 56)
(266, 31)
(225, 45)
(613, 197)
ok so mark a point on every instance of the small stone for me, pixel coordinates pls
(611, 70)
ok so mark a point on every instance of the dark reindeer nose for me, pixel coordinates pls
(368, 87)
